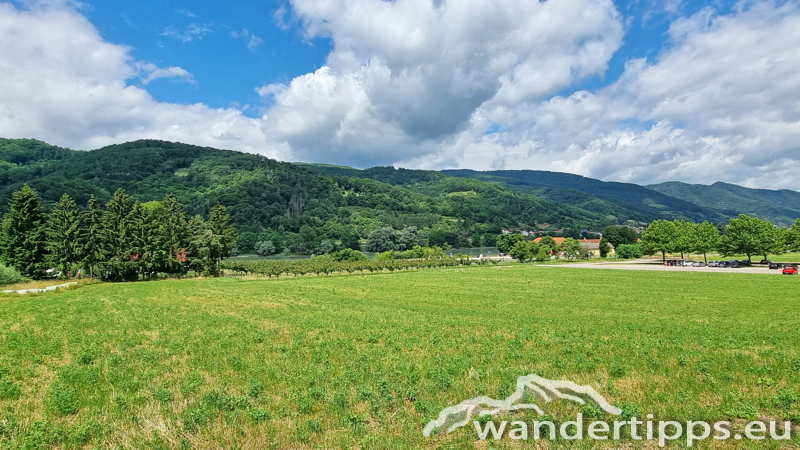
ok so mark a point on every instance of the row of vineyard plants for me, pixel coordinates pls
(328, 267)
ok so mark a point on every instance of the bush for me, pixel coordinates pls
(324, 248)
(9, 275)
(265, 248)
(348, 255)
(630, 251)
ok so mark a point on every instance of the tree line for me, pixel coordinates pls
(124, 241)
(744, 235)
(523, 249)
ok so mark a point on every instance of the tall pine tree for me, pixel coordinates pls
(174, 224)
(142, 239)
(63, 226)
(116, 223)
(92, 236)
(213, 239)
(22, 238)
(173, 233)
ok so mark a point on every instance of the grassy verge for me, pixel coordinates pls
(364, 361)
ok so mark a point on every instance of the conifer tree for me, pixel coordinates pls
(92, 236)
(140, 239)
(62, 232)
(22, 238)
(174, 232)
(116, 224)
(213, 239)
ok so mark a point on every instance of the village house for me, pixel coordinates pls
(592, 246)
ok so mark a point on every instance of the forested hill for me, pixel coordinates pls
(779, 207)
(299, 206)
(623, 201)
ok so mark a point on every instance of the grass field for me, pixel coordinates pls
(366, 361)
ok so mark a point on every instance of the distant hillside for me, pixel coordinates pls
(463, 191)
(614, 201)
(780, 207)
(298, 206)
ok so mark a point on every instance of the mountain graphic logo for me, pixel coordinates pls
(527, 386)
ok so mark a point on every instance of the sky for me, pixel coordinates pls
(640, 91)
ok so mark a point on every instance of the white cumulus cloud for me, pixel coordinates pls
(444, 83)
(64, 84)
(721, 103)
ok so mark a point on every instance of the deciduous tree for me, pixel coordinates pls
(752, 236)
(686, 237)
(605, 248)
(793, 237)
(618, 235)
(660, 237)
(507, 241)
(571, 248)
(706, 239)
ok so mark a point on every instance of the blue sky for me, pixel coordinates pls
(640, 91)
(227, 70)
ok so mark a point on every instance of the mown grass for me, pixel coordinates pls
(365, 361)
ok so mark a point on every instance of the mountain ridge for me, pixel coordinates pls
(261, 191)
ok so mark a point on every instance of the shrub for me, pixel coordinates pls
(265, 248)
(348, 255)
(9, 275)
(630, 251)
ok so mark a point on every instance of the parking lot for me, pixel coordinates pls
(650, 264)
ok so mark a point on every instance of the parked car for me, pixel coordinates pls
(765, 261)
(698, 264)
(713, 264)
(734, 264)
(773, 265)
(745, 263)
(790, 269)
(671, 262)
(724, 264)
(685, 263)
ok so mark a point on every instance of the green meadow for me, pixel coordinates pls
(365, 361)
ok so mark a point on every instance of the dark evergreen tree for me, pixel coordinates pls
(22, 238)
(92, 236)
(213, 239)
(63, 227)
(142, 240)
(121, 261)
(116, 223)
(174, 230)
